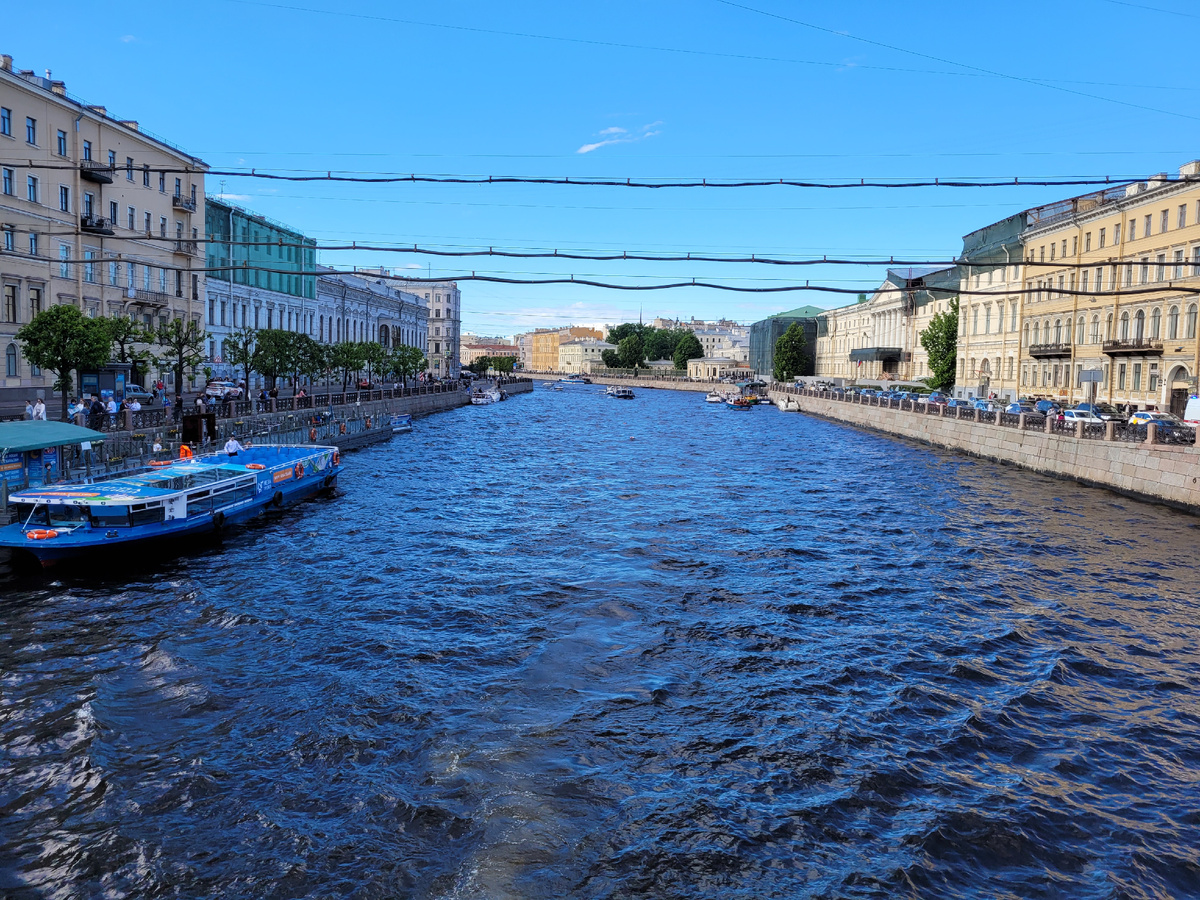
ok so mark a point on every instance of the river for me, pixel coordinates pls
(570, 646)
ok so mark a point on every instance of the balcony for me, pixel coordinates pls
(878, 354)
(152, 298)
(95, 171)
(187, 204)
(1049, 351)
(187, 248)
(95, 225)
(1133, 347)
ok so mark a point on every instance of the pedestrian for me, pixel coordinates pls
(135, 405)
(232, 447)
(157, 448)
(111, 409)
(200, 404)
(39, 410)
(29, 409)
(96, 414)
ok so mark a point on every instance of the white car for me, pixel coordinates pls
(1082, 415)
(223, 390)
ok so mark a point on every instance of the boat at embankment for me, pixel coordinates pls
(166, 501)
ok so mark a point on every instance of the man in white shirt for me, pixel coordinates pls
(134, 405)
(232, 447)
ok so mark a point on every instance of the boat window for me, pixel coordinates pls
(35, 516)
(108, 516)
(199, 502)
(67, 514)
(148, 515)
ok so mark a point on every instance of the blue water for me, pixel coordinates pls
(568, 646)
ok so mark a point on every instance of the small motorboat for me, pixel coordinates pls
(623, 393)
(714, 397)
(401, 424)
(740, 403)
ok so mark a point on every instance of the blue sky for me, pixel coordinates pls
(716, 89)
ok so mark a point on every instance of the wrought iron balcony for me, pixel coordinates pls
(187, 204)
(1133, 347)
(151, 298)
(1045, 351)
(95, 225)
(187, 248)
(95, 171)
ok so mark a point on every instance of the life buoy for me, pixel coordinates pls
(342, 429)
(299, 470)
(312, 434)
(255, 466)
(40, 534)
(159, 463)
(337, 458)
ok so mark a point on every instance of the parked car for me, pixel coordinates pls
(935, 397)
(1082, 415)
(1170, 428)
(1017, 408)
(1048, 408)
(986, 405)
(138, 393)
(957, 402)
(223, 390)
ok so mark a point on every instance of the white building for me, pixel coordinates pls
(443, 300)
(582, 355)
(366, 307)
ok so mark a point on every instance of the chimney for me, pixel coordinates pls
(59, 88)
(131, 124)
(5, 62)
(99, 110)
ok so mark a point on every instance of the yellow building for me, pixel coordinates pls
(1108, 287)
(545, 343)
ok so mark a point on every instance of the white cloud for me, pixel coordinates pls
(242, 197)
(414, 266)
(127, 39)
(616, 135)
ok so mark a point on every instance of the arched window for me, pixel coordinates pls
(1079, 331)
(1190, 325)
(1124, 326)
(1058, 331)
(972, 365)
(1155, 323)
(1173, 323)
(1036, 332)
(1026, 334)
(1095, 330)
(1108, 327)
(10, 361)
(1139, 324)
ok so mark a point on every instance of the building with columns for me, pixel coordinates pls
(364, 306)
(93, 212)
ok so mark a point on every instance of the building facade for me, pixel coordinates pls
(1108, 280)
(444, 302)
(262, 274)
(473, 351)
(765, 334)
(93, 213)
(545, 344)
(367, 307)
(582, 355)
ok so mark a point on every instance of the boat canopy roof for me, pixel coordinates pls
(20, 436)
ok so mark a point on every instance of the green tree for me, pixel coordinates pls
(61, 339)
(611, 359)
(630, 351)
(346, 357)
(312, 357)
(182, 344)
(790, 356)
(660, 343)
(498, 363)
(276, 353)
(124, 335)
(687, 348)
(240, 349)
(940, 340)
(375, 357)
(405, 362)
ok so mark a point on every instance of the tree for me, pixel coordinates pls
(660, 343)
(61, 340)
(630, 351)
(346, 356)
(182, 343)
(940, 340)
(790, 358)
(611, 359)
(123, 335)
(239, 349)
(375, 357)
(405, 362)
(687, 348)
(618, 333)
(498, 363)
(312, 357)
(276, 353)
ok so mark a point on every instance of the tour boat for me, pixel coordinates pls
(170, 499)
(574, 381)
(401, 424)
(740, 403)
(623, 393)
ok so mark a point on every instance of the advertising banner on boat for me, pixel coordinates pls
(12, 468)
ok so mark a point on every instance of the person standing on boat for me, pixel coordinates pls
(232, 447)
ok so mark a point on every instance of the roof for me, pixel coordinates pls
(800, 312)
(18, 436)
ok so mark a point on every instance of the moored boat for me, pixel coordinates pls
(623, 393)
(401, 424)
(740, 403)
(714, 397)
(169, 500)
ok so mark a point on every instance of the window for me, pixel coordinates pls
(975, 320)
(193, 195)
(178, 187)
(87, 149)
(147, 220)
(1181, 219)
(89, 203)
(1079, 330)
(8, 189)
(1145, 270)
(10, 304)
(64, 254)
(1173, 323)
(129, 168)
(35, 302)
(1099, 278)
(1162, 267)
(1102, 232)
(162, 281)
(33, 243)
(1052, 246)
(64, 198)
(131, 276)
(114, 272)
(1058, 335)
(10, 358)
(1121, 377)
(146, 276)
(131, 218)
(145, 175)
(1108, 329)
(1124, 326)
(162, 226)
(1095, 330)
(31, 185)
(1087, 242)
(1012, 324)
(1155, 323)
(1153, 378)
(1074, 246)
(89, 267)
(61, 143)
(112, 212)
(1163, 221)
(1036, 333)
(1083, 282)
(9, 239)
(162, 182)
(1116, 234)
(1145, 226)
(5, 121)
(1196, 260)
(1137, 376)
(1189, 330)
(1139, 325)
(31, 131)
(112, 160)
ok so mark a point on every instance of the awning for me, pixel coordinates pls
(875, 354)
(19, 436)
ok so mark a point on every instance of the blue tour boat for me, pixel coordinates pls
(170, 499)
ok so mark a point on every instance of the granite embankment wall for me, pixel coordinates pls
(669, 384)
(1167, 474)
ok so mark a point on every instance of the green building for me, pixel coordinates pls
(764, 334)
(293, 267)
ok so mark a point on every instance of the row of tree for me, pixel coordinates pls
(637, 343)
(63, 340)
(504, 364)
